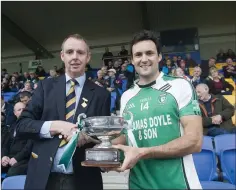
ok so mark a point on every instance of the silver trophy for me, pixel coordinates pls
(104, 128)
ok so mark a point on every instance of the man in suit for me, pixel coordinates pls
(49, 117)
(16, 152)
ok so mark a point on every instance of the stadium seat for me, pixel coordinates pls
(231, 99)
(216, 185)
(8, 95)
(205, 161)
(14, 182)
(3, 175)
(191, 71)
(226, 150)
(220, 65)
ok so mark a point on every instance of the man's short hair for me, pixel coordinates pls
(203, 86)
(24, 94)
(197, 67)
(143, 36)
(75, 36)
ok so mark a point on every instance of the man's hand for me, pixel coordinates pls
(132, 156)
(5, 161)
(85, 139)
(64, 128)
(12, 162)
(217, 119)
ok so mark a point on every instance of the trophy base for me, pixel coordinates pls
(102, 157)
(101, 164)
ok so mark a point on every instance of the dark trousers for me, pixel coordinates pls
(214, 131)
(20, 168)
(59, 181)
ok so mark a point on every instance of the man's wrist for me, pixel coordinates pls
(54, 130)
(144, 153)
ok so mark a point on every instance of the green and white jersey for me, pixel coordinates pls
(155, 113)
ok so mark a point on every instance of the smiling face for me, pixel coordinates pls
(75, 54)
(145, 60)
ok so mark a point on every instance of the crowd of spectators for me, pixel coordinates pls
(117, 74)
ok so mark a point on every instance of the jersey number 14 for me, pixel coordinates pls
(144, 106)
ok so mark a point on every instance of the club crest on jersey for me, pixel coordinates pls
(162, 98)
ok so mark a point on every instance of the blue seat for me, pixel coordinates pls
(3, 175)
(205, 161)
(216, 185)
(8, 95)
(14, 182)
(226, 150)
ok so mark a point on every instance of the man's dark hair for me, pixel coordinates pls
(143, 36)
(24, 94)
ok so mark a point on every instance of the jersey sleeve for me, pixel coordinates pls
(188, 101)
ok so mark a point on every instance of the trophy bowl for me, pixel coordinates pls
(104, 128)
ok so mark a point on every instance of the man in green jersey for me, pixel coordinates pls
(166, 124)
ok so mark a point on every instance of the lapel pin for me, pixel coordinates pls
(34, 155)
(85, 99)
(84, 104)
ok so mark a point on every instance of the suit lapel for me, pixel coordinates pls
(85, 99)
(60, 95)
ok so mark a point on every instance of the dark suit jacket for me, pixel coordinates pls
(15, 147)
(48, 103)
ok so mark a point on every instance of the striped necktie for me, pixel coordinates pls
(70, 105)
(71, 101)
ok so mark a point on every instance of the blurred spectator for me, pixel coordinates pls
(7, 76)
(52, 73)
(16, 152)
(109, 65)
(221, 56)
(189, 61)
(14, 85)
(206, 68)
(26, 77)
(116, 66)
(175, 61)
(7, 110)
(122, 73)
(88, 72)
(27, 87)
(105, 72)
(229, 70)
(178, 72)
(5, 85)
(25, 97)
(35, 85)
(99, 80)
(130, 72)
(106, 55)
(197, 79)
(4, 130)
(33, 77)
(168, 67)
(123, 52)
(4, 71)
(40, 72)
(230, 54)
(183, 66)
(114, 85)
(216, 112)
(217, 84)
